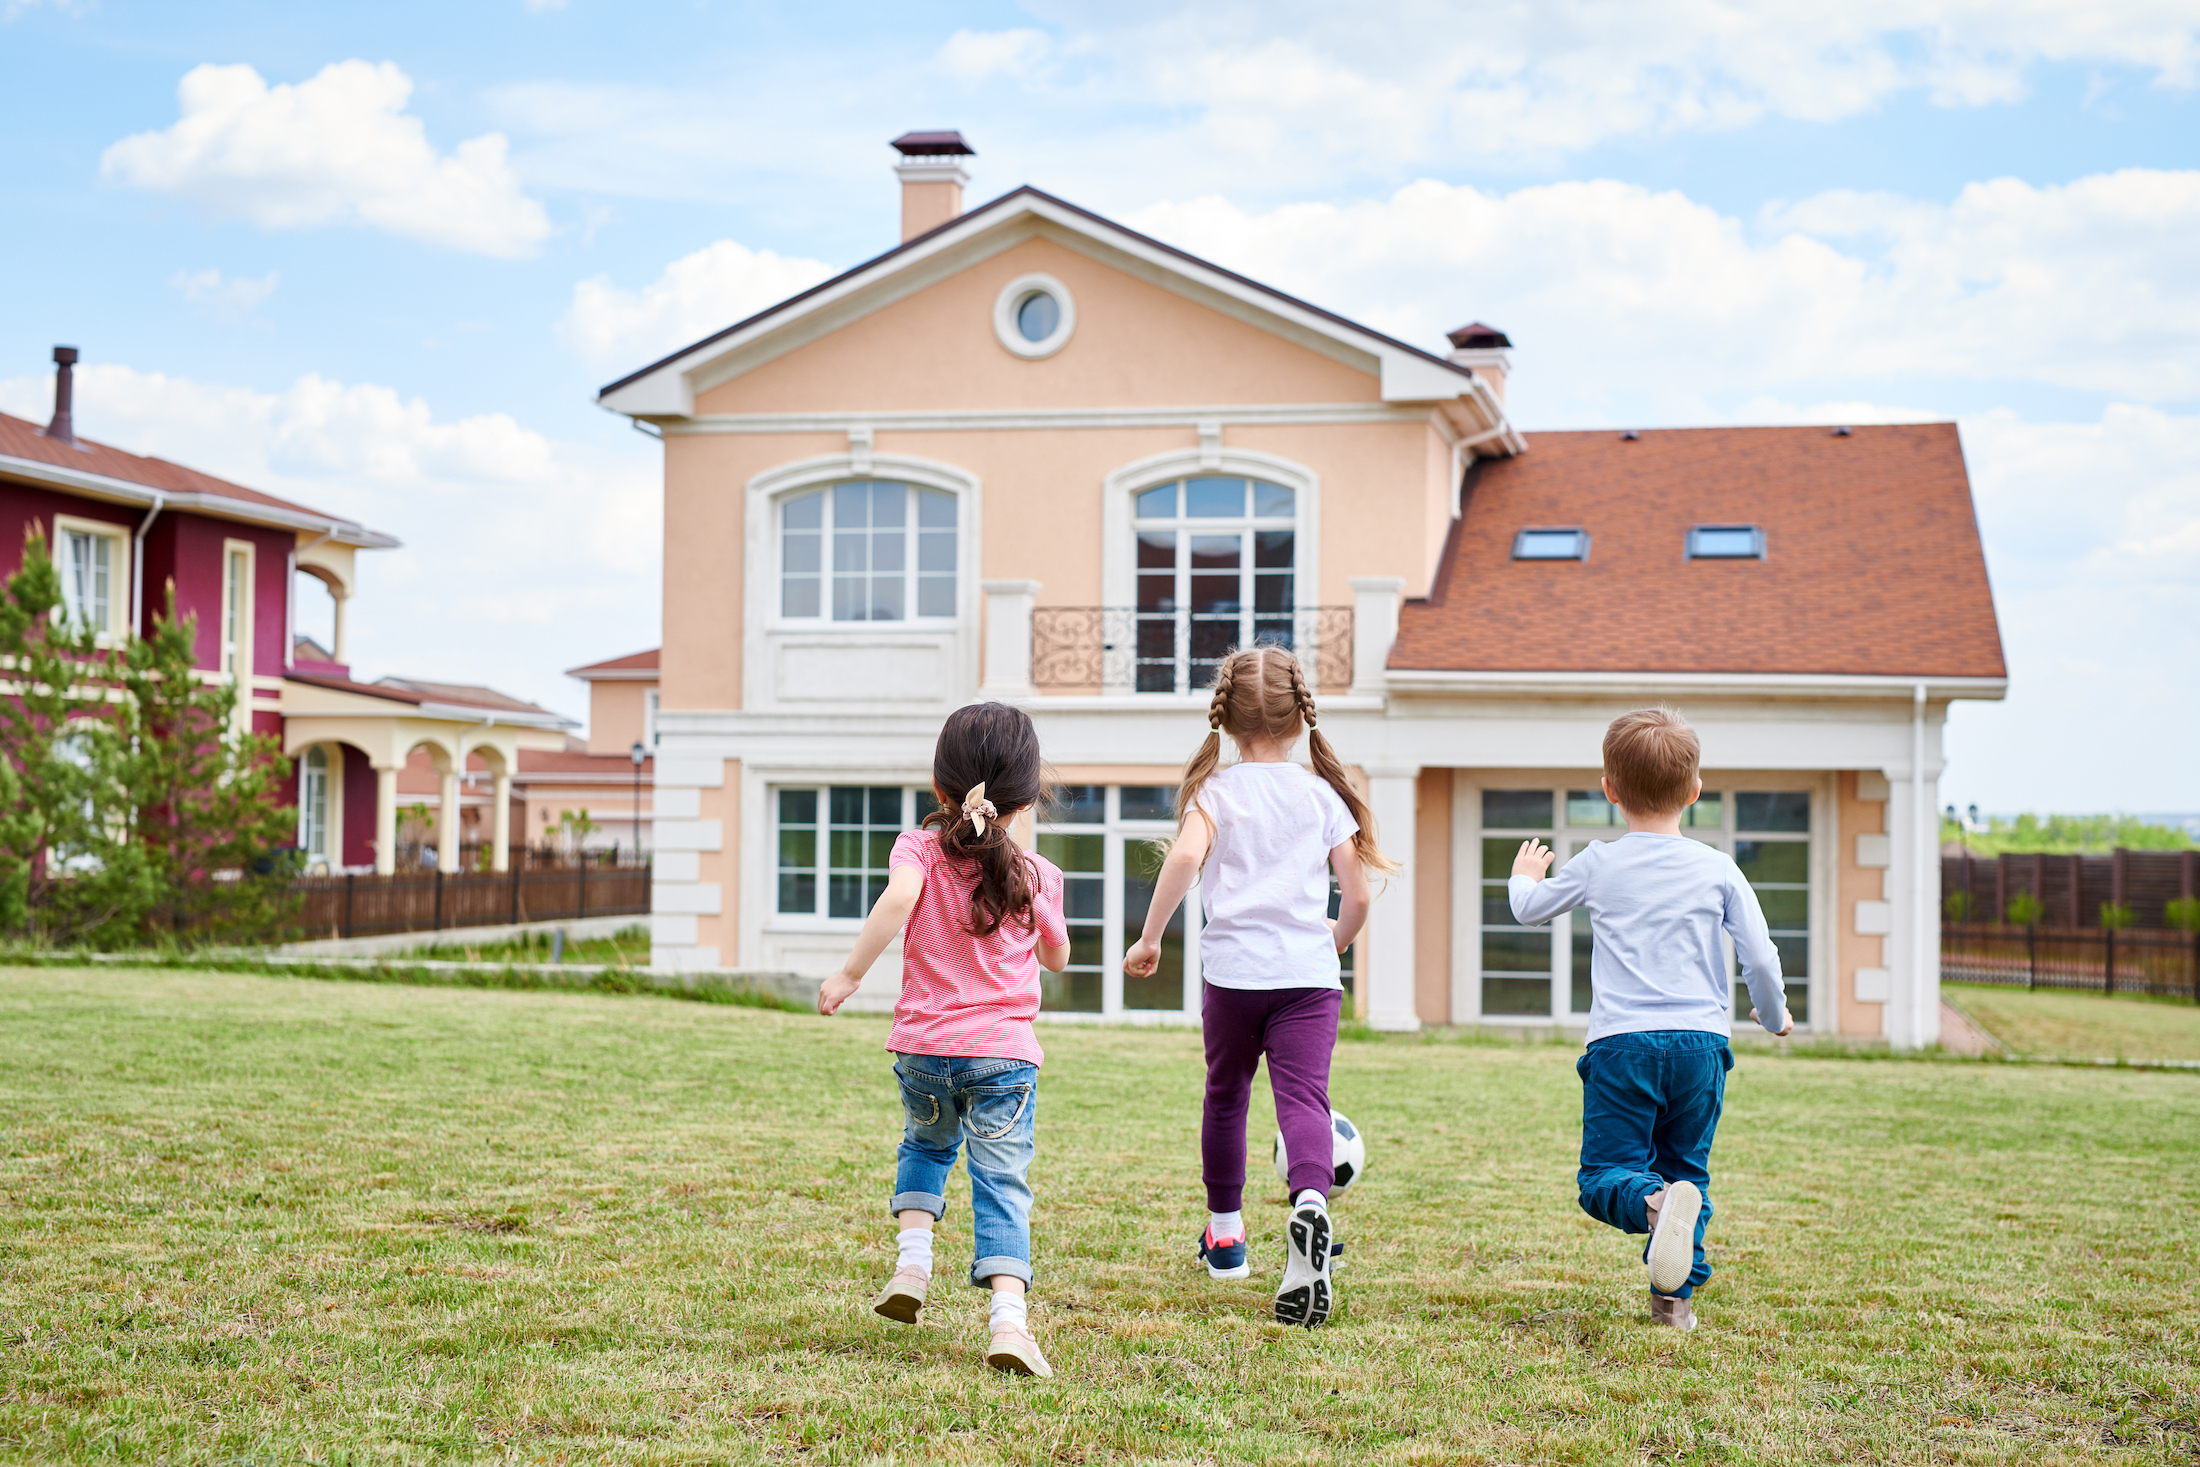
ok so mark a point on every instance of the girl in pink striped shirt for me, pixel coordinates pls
(980, 916)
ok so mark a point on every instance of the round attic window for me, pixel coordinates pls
(1034, 316)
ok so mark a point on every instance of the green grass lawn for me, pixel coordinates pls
(276, 1220)
(2084, 1025)
(628, 948)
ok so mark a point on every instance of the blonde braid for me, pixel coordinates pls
(1224, 675)
(1300, 693)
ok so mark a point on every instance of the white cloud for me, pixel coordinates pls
(523, 555)
(338, 148)
(696, 295)
(2093, 539)
(974, 55)
(225, 296)
(1618, 293)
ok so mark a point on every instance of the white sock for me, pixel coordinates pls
(1222, 1225)
(1310, 1195)
(1008, 1311)
(916, 1249)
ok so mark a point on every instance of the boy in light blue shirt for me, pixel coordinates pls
(1654, 1077)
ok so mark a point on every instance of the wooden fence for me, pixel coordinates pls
(429, 901)
(2096, 960)
(2071, 888)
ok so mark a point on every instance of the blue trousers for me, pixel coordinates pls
(1650, 1104)
(991, 1105)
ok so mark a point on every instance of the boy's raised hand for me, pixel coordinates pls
(1534, 859)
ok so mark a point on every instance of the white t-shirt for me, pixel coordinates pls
(1265, 890)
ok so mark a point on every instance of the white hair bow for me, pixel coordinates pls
(979, 808)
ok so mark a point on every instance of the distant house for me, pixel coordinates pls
(123, 528)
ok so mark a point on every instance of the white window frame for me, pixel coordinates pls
(1118, 540)
(117, 539)
(817, 919)
(1245, 527)
(306, 821)
(1117, 834)
(912, 539)
(1011, 300)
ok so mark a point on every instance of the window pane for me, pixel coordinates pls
(806, 511)
(1549, 545)
(1589, 807)
(886, 598)
(1773, 860)
(936, 551)
(1719, 543)
(889, 505)
(925, 802)
(935, 510)
(1498, 853)
(1037, 316)
(1794, 957)
(935, 596)
(1213, 499)
(1786, 811)
(1272, 549)
(1084, 901)
(847, 804)
(1784, 907)
(1516, 952)
(844, 895)
(1074, 993)
(885, 803)
(1164, 989)
(851, 506)
(888, 549)
(849, 547)
(1522, 997)
(1157, 550)
(1076, 804)
(1217, 596)
(1158, 504)
(797, 848)
(1497, 908)
(798, 807)
(798, 597)
(797, 892)
(1272, 594)
(799, 552)
(1216, 552)
(1273, 501)
(1584, 993)
(845, 847)
(1708, 813)
(1516, 810)
(1149, 801)
(1075, 852)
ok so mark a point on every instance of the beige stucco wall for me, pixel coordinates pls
(615, 719)
(1857, 884)
(1431, 877)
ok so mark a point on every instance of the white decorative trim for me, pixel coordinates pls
(1013, 295)
(859, 450)
(1118, 566)
(760, 584)
(963, 420)
(1745, 684)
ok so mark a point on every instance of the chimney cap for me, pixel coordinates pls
(1477, 337)
(65, 355)
(933, 145)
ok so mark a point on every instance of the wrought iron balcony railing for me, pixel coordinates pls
(1121, 649)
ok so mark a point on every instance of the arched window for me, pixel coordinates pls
(867, 550)
(313, 804)
(1217, 568)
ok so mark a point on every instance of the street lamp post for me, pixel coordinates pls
(637, 754)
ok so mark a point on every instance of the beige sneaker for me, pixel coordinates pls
(1016, 1352)
(904, 1295)
(1673, 1235)
(1671, 1312)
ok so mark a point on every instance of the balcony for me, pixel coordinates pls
(1092, 650)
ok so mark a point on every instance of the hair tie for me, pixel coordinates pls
(978, 807)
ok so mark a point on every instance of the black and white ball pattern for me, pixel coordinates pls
(1349, 1156)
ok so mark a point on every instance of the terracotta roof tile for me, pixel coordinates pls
(1873, 563)
(636, 662)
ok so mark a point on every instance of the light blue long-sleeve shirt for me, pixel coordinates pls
(1657, 904)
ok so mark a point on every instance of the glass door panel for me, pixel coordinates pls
(1083, 859)
(1516, 959)
(1164, 989)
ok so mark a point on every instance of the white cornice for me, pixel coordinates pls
(122, 491)
(949, 420)
(617, 675)
(1422, 682)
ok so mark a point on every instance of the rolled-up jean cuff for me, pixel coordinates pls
(985, 1268)
(930, 1202)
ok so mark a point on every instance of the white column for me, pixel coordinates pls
(1387, 972)
(500, 853)
(448, 830)
(1912, 1015)
(1008, 637)
(1374, 628)
(336, 653)
(385, 819)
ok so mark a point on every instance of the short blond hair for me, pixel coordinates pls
(1650, 756)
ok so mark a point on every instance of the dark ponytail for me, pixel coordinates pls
(994, 745)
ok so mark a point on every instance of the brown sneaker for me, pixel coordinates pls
(904, 1295)
(1016, 1352)
(1671, 1312)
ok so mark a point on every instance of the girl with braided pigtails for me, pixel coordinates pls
(1267, 835)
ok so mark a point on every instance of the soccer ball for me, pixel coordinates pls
(1350, 1155)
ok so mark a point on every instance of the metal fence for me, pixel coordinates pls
(1121, 649)
(2093, 960)
(430, 901)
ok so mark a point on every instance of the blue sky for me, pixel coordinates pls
(379, 258)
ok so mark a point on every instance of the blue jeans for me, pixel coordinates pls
(991, 1103)
(1650, 1103)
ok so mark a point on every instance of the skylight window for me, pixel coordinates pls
(1726, 542)
(1551, 545)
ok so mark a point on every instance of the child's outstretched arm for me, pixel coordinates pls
(1179, 869)
(1535, 898)
(888, 915)
(1353, 898)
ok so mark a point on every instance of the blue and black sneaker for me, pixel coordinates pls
(1224, 1257)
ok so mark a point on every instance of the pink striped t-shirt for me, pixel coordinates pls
(962, 995)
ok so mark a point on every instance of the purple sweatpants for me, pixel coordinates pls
(1297, 1029)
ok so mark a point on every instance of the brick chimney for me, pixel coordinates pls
(63, 426)
(932, 178)
(1486, 349)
